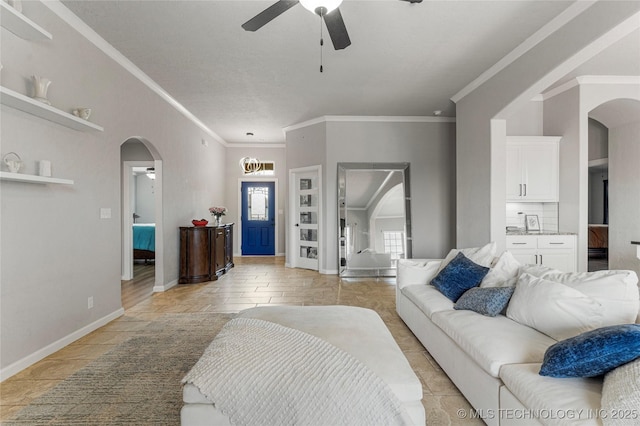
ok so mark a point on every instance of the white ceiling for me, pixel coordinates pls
(405, 59)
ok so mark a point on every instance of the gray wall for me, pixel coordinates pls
(428, 146)
(624, 196)
(598, 140)
(598, 149)
(306, 146)
(56, 251)
(233, 177)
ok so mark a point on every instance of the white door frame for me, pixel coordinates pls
(293, 202)
(275, 211)
(127, 220)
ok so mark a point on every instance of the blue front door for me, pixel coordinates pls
(258, 218)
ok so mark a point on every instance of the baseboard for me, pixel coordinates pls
(164, 287)
(40, 354)
(328, 271)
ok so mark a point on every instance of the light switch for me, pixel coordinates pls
(105, 213)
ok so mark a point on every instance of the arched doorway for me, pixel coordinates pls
(142, 219)
(621, 117)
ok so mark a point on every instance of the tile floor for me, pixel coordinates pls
(253, 282)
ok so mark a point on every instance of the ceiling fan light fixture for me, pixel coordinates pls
(313, 5)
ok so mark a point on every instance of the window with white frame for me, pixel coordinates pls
(393, 243)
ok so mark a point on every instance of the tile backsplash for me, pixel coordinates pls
(547, 214)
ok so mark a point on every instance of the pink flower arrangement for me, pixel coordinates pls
(217, 211)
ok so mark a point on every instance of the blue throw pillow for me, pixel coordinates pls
(593, 353)
(488, 301)
(459, 276)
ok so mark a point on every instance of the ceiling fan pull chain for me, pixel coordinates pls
(321, 43)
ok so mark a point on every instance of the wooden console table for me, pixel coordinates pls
(206, 252)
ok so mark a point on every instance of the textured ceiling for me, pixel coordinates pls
(405, 59)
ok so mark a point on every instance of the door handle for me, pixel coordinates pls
(521, 190)
(297, 224)
(536, 259)
(525, 189)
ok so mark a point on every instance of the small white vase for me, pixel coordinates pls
(40, 87)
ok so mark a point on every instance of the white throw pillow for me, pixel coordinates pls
(554, 309)
(483, 256)
(411, 272)
(617, 291)
(621, 395)
(504, 273)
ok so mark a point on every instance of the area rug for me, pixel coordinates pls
(135, 383)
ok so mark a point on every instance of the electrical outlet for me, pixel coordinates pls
(90, 302)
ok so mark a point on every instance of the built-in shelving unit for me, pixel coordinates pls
(24, 103)
(19, 177)
(20, 25)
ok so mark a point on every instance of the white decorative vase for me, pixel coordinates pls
(40, 87)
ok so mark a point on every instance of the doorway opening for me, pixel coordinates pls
(141, 190)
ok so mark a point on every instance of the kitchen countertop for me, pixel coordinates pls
(539, 233)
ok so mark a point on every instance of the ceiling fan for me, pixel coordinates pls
(327, 10)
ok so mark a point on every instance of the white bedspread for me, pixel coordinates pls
(259, 372)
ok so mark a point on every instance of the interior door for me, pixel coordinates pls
(258, 218)
(305, 222)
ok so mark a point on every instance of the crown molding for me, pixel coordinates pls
(562, 19)
(370, 118)
(591, 79)
(77, 24)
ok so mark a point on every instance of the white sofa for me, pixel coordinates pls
(494, 361)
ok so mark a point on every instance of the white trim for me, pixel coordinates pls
(40, 354)
(158, 288)
(592, 79)
(559, 21)
(76, 23)
(370, 118)
(249, 178)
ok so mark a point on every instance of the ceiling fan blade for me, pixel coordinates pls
(337, 29)
(268, 14)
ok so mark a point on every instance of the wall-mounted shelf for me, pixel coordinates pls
(19, 177)
(20, 25)
(24, 103)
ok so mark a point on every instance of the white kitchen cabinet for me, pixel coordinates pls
(553, 251)
(532, 168)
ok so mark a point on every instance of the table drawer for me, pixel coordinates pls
(557, 241)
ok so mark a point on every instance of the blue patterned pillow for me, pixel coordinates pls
(488, 301)
(593, 353)
(459, 276)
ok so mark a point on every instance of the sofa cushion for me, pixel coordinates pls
(503, 273)
(593, 353)
(483, 256)
(488, 301)
(555, 309)
(458, 276)
(553, 398)
(617, 290)
(492, 341)
(427, 298)
(621, 394)
(412, 272)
